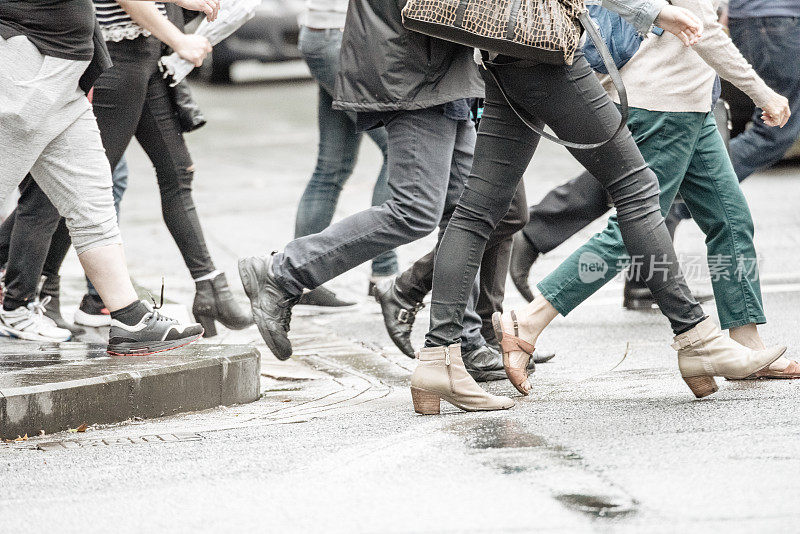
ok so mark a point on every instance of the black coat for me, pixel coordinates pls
(385, 67)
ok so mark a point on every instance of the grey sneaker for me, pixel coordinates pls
(154, 333)
(272, 306)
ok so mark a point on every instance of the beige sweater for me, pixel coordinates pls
(665, 75)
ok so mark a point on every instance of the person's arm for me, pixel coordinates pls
(643, 14)
(209, 7)
(719, 52)
(193, 48)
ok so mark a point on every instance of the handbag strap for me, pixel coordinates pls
(616, 79)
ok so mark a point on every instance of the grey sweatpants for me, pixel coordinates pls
(47, 128)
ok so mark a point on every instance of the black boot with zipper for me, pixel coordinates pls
(215, 302)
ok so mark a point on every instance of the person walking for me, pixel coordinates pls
(679, 138)
(416, 86)
(320, 39)
(131, 99)
(570, 100)
(768, 34)
(51, 52)
(402, 298)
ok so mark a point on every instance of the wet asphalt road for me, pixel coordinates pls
(333, 444)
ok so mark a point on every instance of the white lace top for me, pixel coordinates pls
(116, 23)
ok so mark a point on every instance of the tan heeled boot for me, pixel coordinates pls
(440, 374)
(704, 352)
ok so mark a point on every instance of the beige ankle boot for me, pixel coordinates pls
(440, 374)
(704, 352)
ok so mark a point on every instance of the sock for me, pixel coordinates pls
(131, 314)
(11, 304)
(210, 276)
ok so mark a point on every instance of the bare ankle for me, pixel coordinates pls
(748, 336)
(534, 318)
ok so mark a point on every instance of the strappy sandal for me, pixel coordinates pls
(516, 368)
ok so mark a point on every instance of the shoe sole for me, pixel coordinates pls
(94, 321)
(136, 349)
(250, 284)
(497, 324)
(31, 337)
(429, 403)
(316, 308)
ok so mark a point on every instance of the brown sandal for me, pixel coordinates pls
(516, 370)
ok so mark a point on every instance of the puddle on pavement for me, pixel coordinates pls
(496, 433)
(504, 443)
(597, 505)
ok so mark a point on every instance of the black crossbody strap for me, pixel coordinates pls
(588, 25)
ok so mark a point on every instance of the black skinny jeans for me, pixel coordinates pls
(416, 281)
(33, 242)
(132, 99)
(570, 100)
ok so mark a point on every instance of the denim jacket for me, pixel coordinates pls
(640, 13)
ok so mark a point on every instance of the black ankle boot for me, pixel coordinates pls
(50, 286)
(523, 256)
(215, 302)
(636, 295)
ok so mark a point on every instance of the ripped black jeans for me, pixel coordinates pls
(571, 101)
(132, 99)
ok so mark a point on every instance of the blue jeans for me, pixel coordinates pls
(772, 46)
(338, 147)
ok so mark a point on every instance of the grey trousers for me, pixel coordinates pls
(429, 158)
(428, 154)
(49, 130)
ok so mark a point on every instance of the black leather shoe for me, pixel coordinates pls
(539, 355)
(213, 301)
(485, 364)
(272, 306)
(322, 297)
(523, 256)
(398, 315)
(636, 295)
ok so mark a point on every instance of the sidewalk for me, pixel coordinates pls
(54, 387)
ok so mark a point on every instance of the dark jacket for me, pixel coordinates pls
(385, 67)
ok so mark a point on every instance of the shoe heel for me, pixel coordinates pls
(701, 386)
(425, 402)
(209, 327)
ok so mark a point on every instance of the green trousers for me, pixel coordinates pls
(687, 154)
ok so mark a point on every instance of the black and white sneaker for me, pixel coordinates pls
(154, 333)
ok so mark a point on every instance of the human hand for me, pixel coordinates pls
(193, 48)
(209, 7)
(680, 22)
(776, 111)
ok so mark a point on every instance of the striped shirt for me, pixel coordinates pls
(116, 23)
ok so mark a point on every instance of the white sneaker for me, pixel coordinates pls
(30, 323)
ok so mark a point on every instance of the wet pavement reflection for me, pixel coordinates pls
(17, 354)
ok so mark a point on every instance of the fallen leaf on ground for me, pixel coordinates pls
(22, 438)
